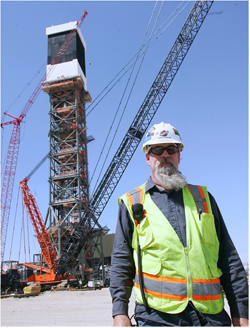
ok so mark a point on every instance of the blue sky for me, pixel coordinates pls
(207, 101)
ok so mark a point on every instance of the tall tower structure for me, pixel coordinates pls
(66, 85)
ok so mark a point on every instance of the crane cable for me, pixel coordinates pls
(20, 243)
(29, 83)
(23, 90)
(138, 56)
(131, 87)
(14, 225)
(24, 239)
(119, 106)
(93, 102)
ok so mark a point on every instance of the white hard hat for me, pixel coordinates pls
(162, 133)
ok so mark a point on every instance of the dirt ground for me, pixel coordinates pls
(90, 308)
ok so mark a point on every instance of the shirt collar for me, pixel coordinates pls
(150, 184)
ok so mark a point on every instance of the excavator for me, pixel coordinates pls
(55, 268)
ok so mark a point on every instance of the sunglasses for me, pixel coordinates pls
(158, 150)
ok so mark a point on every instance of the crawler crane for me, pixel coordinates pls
(48, 251)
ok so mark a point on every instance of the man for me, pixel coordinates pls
(172, 245)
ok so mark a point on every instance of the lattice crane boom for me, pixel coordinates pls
(135, 133)
(13, 150)
(149, 106)
(8, 183)
(47, 248)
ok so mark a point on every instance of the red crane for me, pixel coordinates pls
(48, 252)
(49, 256)
(13, 149)
(47, 248)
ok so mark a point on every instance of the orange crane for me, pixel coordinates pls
(49, 255)
(47, 248)
(48, 251)
(14, 144)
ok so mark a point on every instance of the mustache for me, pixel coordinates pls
(166, 160)
(167, 166)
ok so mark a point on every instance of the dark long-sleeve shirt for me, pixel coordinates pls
(171, 204)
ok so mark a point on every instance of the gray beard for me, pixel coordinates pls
(168, 175)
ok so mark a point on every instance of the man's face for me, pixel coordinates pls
(152, 159)
(156, 162)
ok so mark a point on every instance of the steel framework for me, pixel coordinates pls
(68, 180)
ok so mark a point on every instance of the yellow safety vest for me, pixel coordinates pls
(173, 274)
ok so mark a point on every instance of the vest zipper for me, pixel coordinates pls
(189, 278)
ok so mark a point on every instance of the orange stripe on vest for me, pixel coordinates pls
(161, 295)
(160, 278)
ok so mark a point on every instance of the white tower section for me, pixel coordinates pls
(72, 62)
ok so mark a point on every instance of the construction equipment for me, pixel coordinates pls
(46, 245)
(13, 149)
(47, 248)
(10, 276)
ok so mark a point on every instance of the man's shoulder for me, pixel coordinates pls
(211, 197)
(195, 185)
(145, 186)
(134, 191)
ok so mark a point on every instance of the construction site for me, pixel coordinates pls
(70, 238)
(75, 244)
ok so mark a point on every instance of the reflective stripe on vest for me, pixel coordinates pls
(163, 287)
(176, 288)
(199, 197)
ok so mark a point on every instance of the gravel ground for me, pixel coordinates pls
(90, 308)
